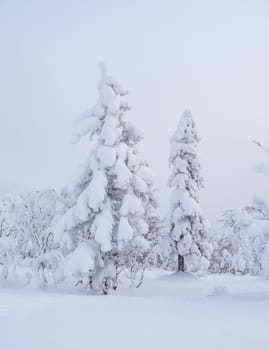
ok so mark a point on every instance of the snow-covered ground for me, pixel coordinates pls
(168, 312)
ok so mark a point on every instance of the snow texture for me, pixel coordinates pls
(216, 312)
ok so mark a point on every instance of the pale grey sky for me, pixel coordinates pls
(209, 56)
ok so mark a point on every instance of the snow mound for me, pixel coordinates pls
(180, 277)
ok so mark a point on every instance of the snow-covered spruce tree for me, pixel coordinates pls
(110, 228)
(187, 225)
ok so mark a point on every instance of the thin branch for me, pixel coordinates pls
(258, 143)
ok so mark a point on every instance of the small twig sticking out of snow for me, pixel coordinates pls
(79, 282)
(139, 284)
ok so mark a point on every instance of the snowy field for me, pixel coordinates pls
(168, 312)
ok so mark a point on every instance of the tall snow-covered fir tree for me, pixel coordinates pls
(187, 225)
(111, 226)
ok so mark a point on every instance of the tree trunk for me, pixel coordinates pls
(180, 263)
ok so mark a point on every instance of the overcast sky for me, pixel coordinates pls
(209, 56)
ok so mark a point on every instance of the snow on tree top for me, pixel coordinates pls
(186, 131)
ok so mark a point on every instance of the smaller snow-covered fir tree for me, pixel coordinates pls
(187, 225)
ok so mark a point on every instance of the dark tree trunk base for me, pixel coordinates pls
(180, 263)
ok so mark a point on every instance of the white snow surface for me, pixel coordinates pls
(221, 312)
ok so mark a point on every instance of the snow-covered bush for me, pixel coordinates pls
(26, 237)
(8, 248)
(241, 243)
(187, 225)
(113, 219)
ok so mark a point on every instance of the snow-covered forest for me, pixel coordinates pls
(102, 231)
(149, 239)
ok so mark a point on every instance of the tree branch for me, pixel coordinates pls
(258, 143)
